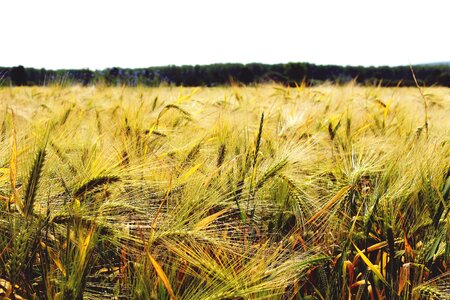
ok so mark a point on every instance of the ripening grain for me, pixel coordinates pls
(264, 192)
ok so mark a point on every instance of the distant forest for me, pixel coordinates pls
(225, 74)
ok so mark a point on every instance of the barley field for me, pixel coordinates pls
(259, 192)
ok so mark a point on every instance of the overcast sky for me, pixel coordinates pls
(98, 34)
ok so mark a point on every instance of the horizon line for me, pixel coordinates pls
(441, 63)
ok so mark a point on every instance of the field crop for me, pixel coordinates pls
(264, 192)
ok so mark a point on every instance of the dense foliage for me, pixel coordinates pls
(224, 74)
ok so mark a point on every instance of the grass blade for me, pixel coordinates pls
(337, 197)
(161, 275)
(371, 266)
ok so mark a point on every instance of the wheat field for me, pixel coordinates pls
(258, 192)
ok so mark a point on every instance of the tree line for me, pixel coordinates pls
(229, 73)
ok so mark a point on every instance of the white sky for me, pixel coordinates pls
(98, 34)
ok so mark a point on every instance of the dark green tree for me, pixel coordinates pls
(18, 76)
(295, 72)
(245, 75)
